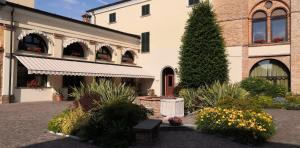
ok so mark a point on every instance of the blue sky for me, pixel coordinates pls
(70, 8)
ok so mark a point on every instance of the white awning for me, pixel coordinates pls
(38, 65)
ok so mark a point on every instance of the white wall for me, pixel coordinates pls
(33, 95)
(166, 24)
(270, 50)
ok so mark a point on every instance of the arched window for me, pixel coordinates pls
(259, 27)
(104, 54)
(29, 80)
(272, 70)
(75, 50)
(279, 26)
(33, 43)
(128, 58)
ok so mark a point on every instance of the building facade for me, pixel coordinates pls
(262, 36)
(44, 55)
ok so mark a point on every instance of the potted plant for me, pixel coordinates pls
(58, 96)
(32, 83)
(175, 121)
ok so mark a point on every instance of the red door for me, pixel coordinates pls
(169, 85)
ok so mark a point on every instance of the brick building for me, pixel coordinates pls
(262, 36)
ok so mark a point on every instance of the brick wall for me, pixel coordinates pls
(153, 103)
(295, 46)
(1, 59)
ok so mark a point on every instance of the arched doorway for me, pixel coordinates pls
(272, 70)
(168, 82)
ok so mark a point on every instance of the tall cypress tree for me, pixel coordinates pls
(202, 57)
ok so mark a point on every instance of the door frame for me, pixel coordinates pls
(163, 85)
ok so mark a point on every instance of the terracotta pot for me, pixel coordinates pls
(59, 98)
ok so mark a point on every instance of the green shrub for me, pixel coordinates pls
(256, 86)
(210, 95)
(293, 102)
(111, 124)
(242, 104)
(106, 90)
(293, 99)
(247, 126)
(219, 91)
(54, 124)
(191, 100)
(261, 87)
(74, 120)
(203, 58)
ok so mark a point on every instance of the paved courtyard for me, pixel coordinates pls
(24, 125)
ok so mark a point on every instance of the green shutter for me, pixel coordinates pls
(145, 10)
(145, 42)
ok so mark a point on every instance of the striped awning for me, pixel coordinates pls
(48, 66)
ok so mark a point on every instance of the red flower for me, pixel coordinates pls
(175, 121)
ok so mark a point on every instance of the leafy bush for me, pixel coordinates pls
(202, 57)
(191, 100)
(219, 91)
(242, 104)
(293, 103)
(210, 95)
(111, 124)
(54, 124)
(255, 86)
(73, 120)
(106, 90)
(247, 126)
(259, 86)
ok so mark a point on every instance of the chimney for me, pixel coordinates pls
(86, 18)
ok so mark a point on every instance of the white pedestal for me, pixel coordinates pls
(172, 107)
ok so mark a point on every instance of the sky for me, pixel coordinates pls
(70, 8)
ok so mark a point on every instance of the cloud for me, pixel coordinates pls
(103, 1)
(71, 1)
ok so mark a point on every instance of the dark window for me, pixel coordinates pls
(112, 18)
(75, 50)
(104, 54)
(128, 58)
(33, 43)
(259, 28)
(170, 81)
(193, 2)
(128, 82)
(29, 80)
(272, 70)
(145, 10)
(279, 26)
(146, 42)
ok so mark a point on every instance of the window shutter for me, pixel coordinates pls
(145, 42)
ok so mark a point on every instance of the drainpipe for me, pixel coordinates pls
(11, 54)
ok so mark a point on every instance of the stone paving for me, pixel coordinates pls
(24, 125)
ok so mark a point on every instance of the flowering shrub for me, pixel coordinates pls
(175, 121)
(247, 126)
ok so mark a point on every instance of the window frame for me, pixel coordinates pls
(125, 56)
(74, 56)
(24, 77)
(279, 18)
(193, 2)
(112, 18)
(24, 44)
(100, 51)
(146, 10)
(145, 42)
(256, 20)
